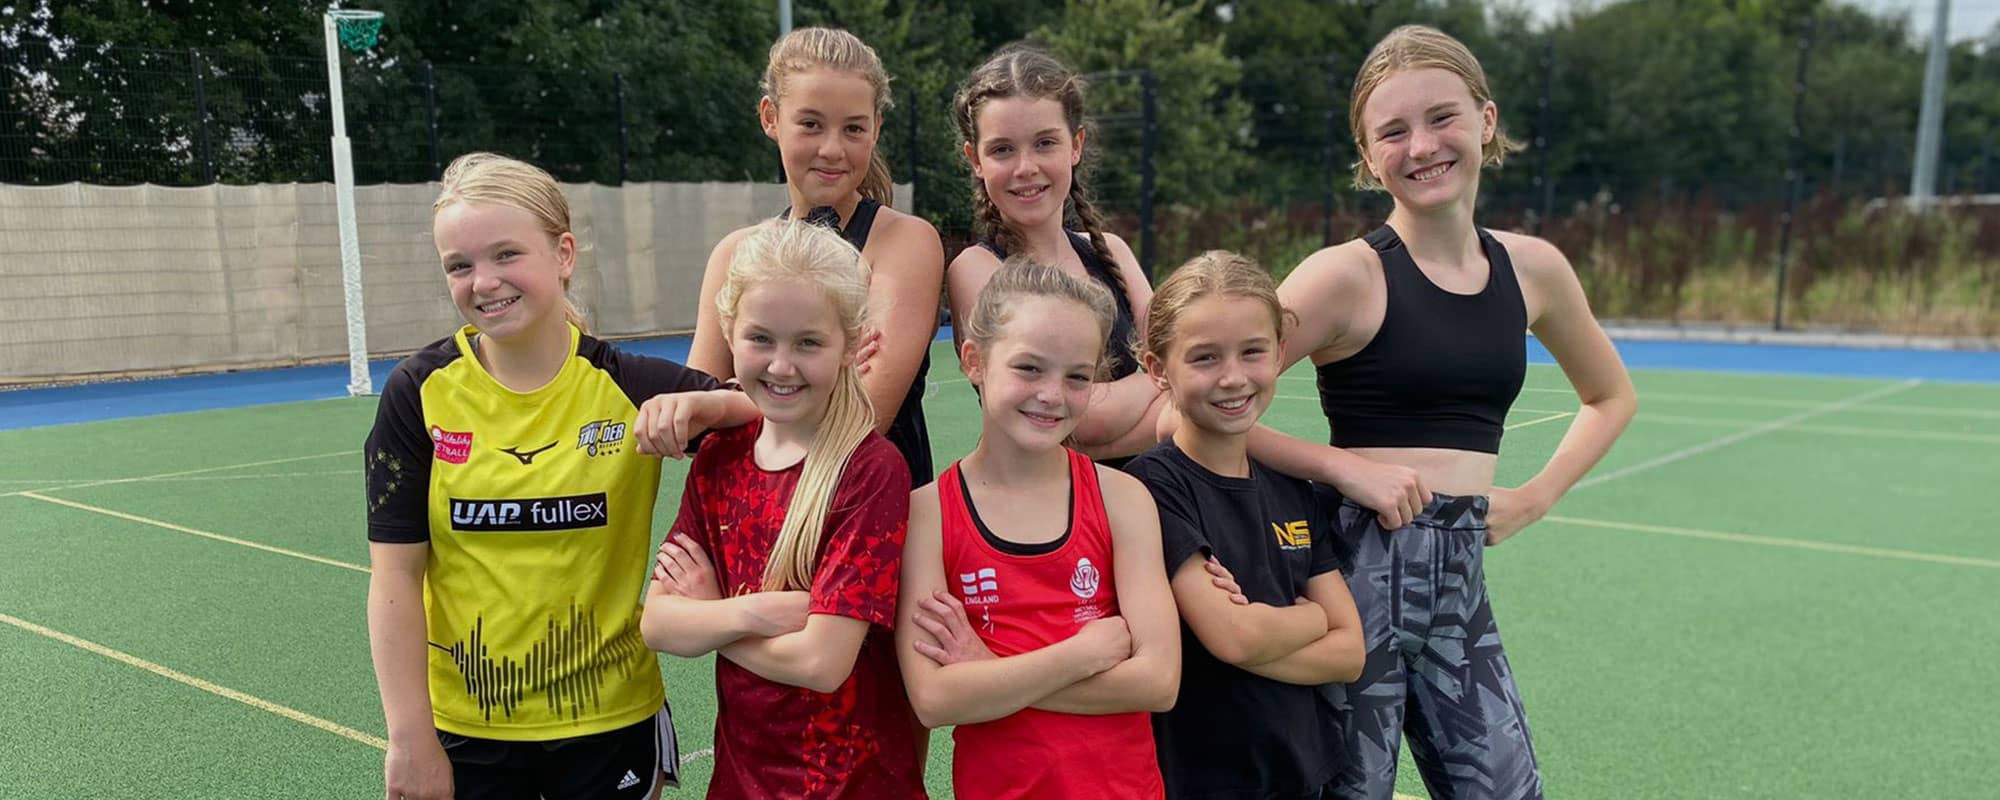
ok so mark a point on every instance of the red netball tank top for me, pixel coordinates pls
(1022, 598)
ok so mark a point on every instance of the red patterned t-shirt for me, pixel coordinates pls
(778, 741)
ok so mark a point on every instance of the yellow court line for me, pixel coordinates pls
(221, 691)
(195, 532)
(1774, 541)
(109, 482)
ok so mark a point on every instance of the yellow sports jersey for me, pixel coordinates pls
(538, 510)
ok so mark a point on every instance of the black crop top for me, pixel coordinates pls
(1443, 369)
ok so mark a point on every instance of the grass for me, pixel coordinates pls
(1768, 610)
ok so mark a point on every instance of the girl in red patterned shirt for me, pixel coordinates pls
(1035, 615)
(784, 558)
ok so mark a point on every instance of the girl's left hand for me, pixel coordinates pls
(683, 569)
(865, 352)
(943, 617)
(1510, 510)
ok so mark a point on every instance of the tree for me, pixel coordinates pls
(105, 91)
(1203, 126)
(926, 50)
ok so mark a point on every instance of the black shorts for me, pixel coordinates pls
(630, 762)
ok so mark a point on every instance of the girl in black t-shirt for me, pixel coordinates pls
(1267, 619)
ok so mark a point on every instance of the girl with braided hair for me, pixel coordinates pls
(1021, 119)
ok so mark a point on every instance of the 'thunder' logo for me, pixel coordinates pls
(600, 438)
(450, 447)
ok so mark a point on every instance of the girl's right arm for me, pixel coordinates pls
(980, 688)
(685, 612)
(398, 458)
(1241, 634)
(416, 766)
(1336, 657)
(1330, 282)
(709, 352)
(690, 626)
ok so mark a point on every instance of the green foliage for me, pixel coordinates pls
(1203, 127)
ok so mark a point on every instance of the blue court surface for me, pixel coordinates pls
(29, 408)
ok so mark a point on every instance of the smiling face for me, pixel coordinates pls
(789, 348)
(1221, 369)
(1035, 375)
(1026, 156)
(825, 123)
(505, 273)
(1425, 136)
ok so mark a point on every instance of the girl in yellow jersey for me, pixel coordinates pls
(510, 502)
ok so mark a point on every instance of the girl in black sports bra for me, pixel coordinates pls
(1417, 334)
(1021, 118)
(824, 94)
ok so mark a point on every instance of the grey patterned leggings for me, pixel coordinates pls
(1435, 668)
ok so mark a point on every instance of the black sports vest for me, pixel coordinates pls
(1444, 367)
(907, 432)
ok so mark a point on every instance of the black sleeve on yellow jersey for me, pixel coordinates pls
(399, 451)
(642, 377)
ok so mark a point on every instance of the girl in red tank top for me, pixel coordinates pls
(1034, 614)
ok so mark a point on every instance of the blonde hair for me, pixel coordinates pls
(805, 49)
(1214, 273)
(1026, 70)
(1420, 47)
(783, 250)
(493, 179)
(1021, 278)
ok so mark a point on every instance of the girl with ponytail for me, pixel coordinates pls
(466, 595)
(824, 95)
(1021, 119)
(784, 559)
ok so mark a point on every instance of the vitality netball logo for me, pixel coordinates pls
(450, 447)
(1084, 581)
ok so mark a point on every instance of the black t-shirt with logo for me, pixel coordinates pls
(1233, 733)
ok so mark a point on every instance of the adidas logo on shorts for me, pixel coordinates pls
(630, 780)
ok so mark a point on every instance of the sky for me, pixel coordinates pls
(1969, 19)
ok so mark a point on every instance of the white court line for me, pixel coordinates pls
(181, 478)
(206, 686)
(1774, 541)
(194, 531)
(258, 703)
(1891, 408)
(1727, 440)
(1831, 430)
(1539, 420)
(87, 484)
(258, 476)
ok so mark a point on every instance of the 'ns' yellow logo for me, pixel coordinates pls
(1292, 535)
